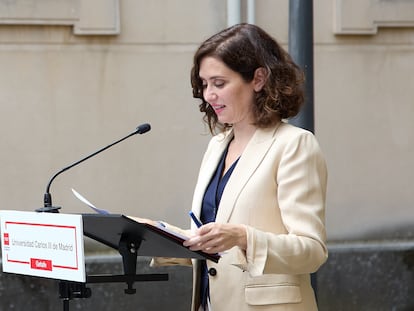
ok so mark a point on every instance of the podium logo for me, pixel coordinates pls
(6, 239)
(40, 264)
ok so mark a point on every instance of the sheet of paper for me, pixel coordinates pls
(161, 226)
(175, 233)
(82, 199)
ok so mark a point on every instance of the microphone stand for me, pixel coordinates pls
(47, 199)
(69, 290)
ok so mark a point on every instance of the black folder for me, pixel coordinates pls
(149, 240)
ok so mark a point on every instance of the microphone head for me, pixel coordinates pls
(143, 128)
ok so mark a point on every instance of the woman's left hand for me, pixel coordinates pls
(214, 238)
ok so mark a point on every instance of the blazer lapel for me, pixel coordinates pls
(208, 168)
(251, 158)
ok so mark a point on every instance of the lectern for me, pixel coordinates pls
(129, 237)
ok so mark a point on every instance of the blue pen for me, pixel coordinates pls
(195, 219)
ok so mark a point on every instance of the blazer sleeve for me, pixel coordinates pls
(301, 179)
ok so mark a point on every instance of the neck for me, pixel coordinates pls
(241, 137)
(242, 134)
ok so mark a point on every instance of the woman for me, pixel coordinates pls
(262, 182)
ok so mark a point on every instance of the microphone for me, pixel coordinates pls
(47, 199)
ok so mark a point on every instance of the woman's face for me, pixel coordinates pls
(227, 93)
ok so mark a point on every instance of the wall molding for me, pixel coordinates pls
(364, 17)
(88, 17)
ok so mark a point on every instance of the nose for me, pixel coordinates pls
(209, 94)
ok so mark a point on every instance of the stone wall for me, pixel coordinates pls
(78, 75)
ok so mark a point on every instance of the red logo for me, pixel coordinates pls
(6, 239)
(40, 264)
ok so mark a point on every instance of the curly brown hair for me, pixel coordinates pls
(244, 48)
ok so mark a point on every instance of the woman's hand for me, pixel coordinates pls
(216, 238)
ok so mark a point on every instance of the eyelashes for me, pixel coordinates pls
(217, 84)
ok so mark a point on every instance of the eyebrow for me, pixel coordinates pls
(213, 78)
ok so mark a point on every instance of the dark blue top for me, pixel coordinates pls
(212, 196)
(211, 202)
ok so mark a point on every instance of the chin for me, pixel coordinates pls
(224, 120)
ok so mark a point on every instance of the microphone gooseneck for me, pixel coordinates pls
(47, 199)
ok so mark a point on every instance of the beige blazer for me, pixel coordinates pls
(278, 190)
